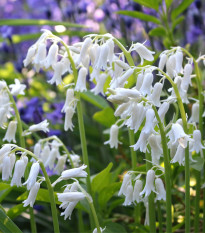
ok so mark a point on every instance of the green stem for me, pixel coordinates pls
(201, 105)
(80, 121)
(49, 186)
(160, 217)
(133, 154)
(152, 215)
(167, 172)
(187, 170)
(62, 144)
(22, 144)
(197, 200)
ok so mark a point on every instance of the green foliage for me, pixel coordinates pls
(158, 31)
(154, 4)
(179, 9)
(197, 164)
(140, 15)
(105, 117)
(7, 225)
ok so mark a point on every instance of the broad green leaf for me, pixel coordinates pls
(112, 227)
(107, 193)
(96, 100)
(140, 15)
(198, 165)
(105, 117)
(38, 22)
(153, 4)
(42, 195)
(179, 9)
(4, 193)
(158, 31)
(7, 225)
(177, 21)
(16, 211)
(168, 3)
(4, 186)
(102, 179)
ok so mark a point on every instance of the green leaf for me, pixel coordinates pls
(96, 100)
(7, 225)
(102, 179)
(198, 165)
(140, 15)
(153, 4)
(4, 186)
(16, 211)
(177, 21)
(4, 192)
(38, 22)
(105, 117)
(179, 9)
(112, 227)
(107, 193)
(168, 3)
(158, 31)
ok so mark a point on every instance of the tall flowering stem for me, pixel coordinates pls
(80, 120)
(49, 186)
(198, 178)
(22, 144)
(187, 170)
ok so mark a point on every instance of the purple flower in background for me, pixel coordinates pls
(55, 116)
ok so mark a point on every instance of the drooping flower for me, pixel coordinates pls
(42, 126)
(69, 99)
(68, 124)
(161, 192)
(195, 113)
(11, 132)
(156, 148)
(149, 185)
(196, 144)
(179, 156)
(32, 175)
(113, 141)
(51, 158)
(125, 183)
(17, 88)
(61, 163)
(100, 84)
(128, 195)
(171, 66)
(81, 81)
(57, 76)
(137, 191)
(74, 172)
(142, 142)
(149, 124)
(51, 58)
(103, 57)
(147, 84)
(32, 195)
(156, 93)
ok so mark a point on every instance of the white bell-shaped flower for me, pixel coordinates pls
(179, 60)
(51, 58)
(100, 84)
(161, 192)
(95, 230)
(93, 53)
(6, 167)
(40, 56)
(177, 134)
(61, 164)
(17, 88)
(32, 195)
(70, 196)
(68, 124)
(11, 132)
(74, 172)
(162, 61)
(149, 185)
(137, 190)
(110, 43)
(57, 76)
(66, 65)
(121, 80)
(179, 156)
(32, 175)
(194, 113)
(42, 126)
(163, 109)
(139, 82)
(81, 81)
(122, 64)
(113, 141)
(143, 52)
(149, 124)
(69, 210)
(30, 55)
(37, 149)
(19, 170)
(52, 157)
(3, 116)
(171, 66)
(128, 195)
(123, 110)
(196, 144)
(186, 80)
(156, 148)
(156, 93)
(84, 49)
(103, 57)
(142, 142)
(45, 152)
(4, 151)
(147, 84)
(125, 183)
(69, 99)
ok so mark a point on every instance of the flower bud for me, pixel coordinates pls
(195, 113)
(143, 52)
(139, 82)
(70, 196)
(147, 84)
(156, 93)
(74, 172)
(162, 61)
(171, 65)
(32, 175)
(179, 60)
